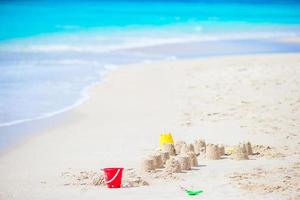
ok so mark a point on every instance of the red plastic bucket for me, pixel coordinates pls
(113, 177)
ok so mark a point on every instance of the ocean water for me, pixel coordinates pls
(51, 52)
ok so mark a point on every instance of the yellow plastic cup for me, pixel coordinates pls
(166, 138)
(230, 150)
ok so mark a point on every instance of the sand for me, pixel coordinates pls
(240, 152)
(212, 152)
(223, 100)
(285, 180)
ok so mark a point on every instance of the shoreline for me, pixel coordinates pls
(172, 55)
(84, 96)
(122, 120)
(85, 93)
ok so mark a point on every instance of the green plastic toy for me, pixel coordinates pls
(193, 192)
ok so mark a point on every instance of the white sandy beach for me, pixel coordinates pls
(224, 100)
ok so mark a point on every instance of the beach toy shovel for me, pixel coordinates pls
(113, 177)
(192, 192)
(165, 139)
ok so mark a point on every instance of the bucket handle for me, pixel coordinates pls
(115, 176)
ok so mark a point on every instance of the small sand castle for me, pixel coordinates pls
(148, 165)
(212, 152)
(191, 148)
(184, 149)
(164, 156)
(193, 159)
(172, 166)
(187, 148)
(240, 152)
(200, 146)
(178, 146)
(184, 162)
(169, 148)
(249, 148)
(157, 160)
(221, 150)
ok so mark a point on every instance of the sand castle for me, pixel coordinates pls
(164, 156)
(191, 148)
(178, 146)
(183, 156)
(240, 152)
(184, 149)
(221, 150)
(200, 146)
(169, 148)
(148, 165)
(184, 162)
(172, 166)
(157, 160)
(193, 159)
(249, 148)
(173, 157)
(212, 152)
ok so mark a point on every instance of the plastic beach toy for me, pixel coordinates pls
(230, 150)
(193, 192)
(113, 177)
(166, 138)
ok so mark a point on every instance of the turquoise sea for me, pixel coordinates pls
(51, 51)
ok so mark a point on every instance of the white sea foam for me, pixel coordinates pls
(84, 96)
(171, 58)
(106, 43)
(96, 44)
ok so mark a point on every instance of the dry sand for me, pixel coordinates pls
(224, 100)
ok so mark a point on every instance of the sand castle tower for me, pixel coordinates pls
(200, 146)
(193, 159)
(178, 146)
(240, 152)
(249, 148)
(184, 162)
(221, 150)
(212, 152)
(164, 156)
(157, 160)
(169, 148)
(148, 165)
(191, 148)
(184, 149)
(172, 166)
